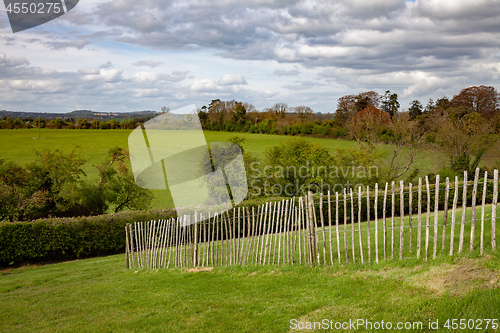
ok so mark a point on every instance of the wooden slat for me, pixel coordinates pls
(393, 207)
(375, 206)
(494, 211)
(337, 223)
(453, 215)
(368, 238)
(445, 217)
(322, 226)
(428, 217)
(402, 218)
(483, 203)
(419, 221)
(352, 226)
(330, 227)
(410, 216)
(345, 228)
(436, 218)
(359, 226)
(473, 206)
(464, 212)
(384, 221)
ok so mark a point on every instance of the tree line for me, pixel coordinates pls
(54, 185)
(70, 123)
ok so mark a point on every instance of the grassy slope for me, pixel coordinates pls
(100, 295)
(20, 145)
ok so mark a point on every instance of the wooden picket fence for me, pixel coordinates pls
(355, 226)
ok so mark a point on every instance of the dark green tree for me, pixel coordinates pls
(415, 109)
(390, 103)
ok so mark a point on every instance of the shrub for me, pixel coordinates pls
(58, 239)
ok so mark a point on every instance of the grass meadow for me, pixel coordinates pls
(20, 145)
(100, 295)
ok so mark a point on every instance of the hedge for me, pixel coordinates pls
(60, 239)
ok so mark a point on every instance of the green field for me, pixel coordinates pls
(100, 295)
(20, 145)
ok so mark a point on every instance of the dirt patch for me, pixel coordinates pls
(467, 276)
(458, 279)
(197, 269)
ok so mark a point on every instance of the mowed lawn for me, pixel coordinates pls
(100, 295)
(20, 145)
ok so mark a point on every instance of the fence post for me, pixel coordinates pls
(376, 222)
(494, 211)
(464, 212)
(359, 226)
(368, 240)
(127, 253)
(436, 218)
(453, 215)
(402, 217)
(445, 217)
(322, 226)
(393, 207)
(312, 228)
(428, 217)
(410, 210)
(419, 221)
(195, 241)
(482, 211)
(346, 249)
(473, 205)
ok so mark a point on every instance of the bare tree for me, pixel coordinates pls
(303, 112)
(465, 139)
(405, 142)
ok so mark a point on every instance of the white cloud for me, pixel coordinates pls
(103, 74)
(309, 52)
(147, 63)
(231, 79)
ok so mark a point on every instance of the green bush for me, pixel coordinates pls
(58, 239)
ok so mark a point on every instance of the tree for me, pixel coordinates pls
(237, 112)
(48, 187)
(390, 103)
(53, 186)
(481, 99)
(405, 140)
(217, 113)
(346, 109)
(415, 109)
(430, 107)
(349, 105)
(280, 109)
(465, 139)
(366, 99)
(367, 123)
(292, 166)
(442, 104)
(303, 112)
(116, 188)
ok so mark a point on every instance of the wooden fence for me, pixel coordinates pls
(356, 226)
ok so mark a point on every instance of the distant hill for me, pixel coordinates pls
(88, 114)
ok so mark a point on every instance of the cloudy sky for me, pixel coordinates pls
(125, 55)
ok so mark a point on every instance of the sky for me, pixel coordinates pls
(124, 55)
